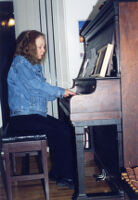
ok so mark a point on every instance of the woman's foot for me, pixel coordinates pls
(65, 182)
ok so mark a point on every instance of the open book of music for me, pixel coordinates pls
(104, 58)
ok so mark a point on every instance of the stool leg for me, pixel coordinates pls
(8, 177)
(45, 168)
(3, 175)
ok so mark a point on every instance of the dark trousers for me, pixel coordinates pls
(60, 140)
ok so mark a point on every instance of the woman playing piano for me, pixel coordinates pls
(28, 95)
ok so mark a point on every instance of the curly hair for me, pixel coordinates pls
(25, 45)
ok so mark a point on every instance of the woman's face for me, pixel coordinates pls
(40, 46)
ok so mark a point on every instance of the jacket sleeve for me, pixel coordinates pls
(34, 82)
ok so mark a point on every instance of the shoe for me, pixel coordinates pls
(65, 182)
(53, 177)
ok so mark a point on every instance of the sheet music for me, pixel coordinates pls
(91, 63)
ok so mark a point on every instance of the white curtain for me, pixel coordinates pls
(37, 14)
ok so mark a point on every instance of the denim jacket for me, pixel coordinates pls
(28, 91)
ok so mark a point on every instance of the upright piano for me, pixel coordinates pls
(109, 100)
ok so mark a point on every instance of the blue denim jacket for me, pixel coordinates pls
(28, 91)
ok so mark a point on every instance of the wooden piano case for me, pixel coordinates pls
(114, 99)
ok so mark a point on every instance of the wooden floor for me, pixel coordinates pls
(32, 190)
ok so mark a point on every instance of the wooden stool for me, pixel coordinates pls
(25, 144)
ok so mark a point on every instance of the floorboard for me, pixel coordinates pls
(33, 190)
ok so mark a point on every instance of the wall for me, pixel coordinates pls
(74, 12)
(67, 14)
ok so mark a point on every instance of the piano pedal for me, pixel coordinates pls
(100, 177)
